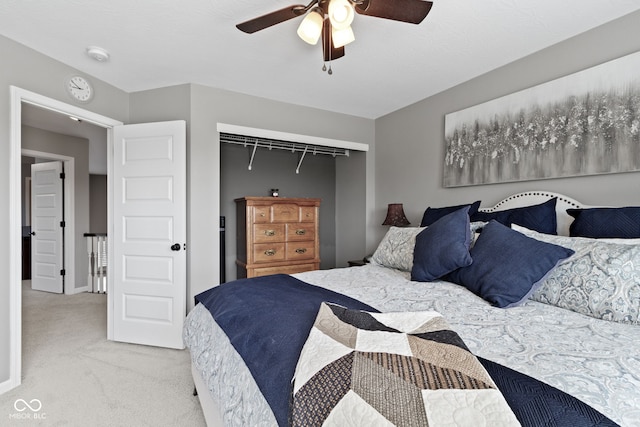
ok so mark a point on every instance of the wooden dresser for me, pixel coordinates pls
(276, 235)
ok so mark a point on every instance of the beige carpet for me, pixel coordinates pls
(81, 379)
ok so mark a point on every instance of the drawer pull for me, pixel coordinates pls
(270, 252)
(301, 232)
(262, 214)
(301, 250)
(270, 232)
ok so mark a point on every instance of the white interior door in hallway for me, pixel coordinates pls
(47, 207)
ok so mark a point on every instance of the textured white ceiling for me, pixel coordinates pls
(157, 43)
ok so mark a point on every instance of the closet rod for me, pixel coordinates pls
(281, 145)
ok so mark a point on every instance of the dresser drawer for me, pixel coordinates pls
(268, 252)
(261, 214)
(300, 231)
(285, 212)
(301, 250)
(308, 213)
(263, 233)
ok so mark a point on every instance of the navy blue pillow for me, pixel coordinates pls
(541, 218)
(442, 247)
(431, 215)
(621, 223)
(507, 265)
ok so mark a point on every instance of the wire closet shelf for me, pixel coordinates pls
(274, 144)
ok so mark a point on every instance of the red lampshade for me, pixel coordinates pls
(396, 216)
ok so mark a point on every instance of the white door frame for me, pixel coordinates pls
(69, 216)
(18, 96)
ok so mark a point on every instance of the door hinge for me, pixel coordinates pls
(63, 272)
(62, 175)
(63, 224)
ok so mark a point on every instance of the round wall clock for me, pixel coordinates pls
(79, 88)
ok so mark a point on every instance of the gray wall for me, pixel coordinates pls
(277, 169)
(26, 173)
(353, 204)
(410, 142)
(78, 148)
(97, 203)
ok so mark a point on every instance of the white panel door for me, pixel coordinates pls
(46, 230)
(149, 233)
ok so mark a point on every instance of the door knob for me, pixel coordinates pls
(175, 247)
(33, 233)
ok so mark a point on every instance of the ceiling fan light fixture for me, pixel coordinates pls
(342, 37)
(341, 14)
(310, 28)
(332, 19)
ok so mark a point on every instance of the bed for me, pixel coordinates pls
(549, 354)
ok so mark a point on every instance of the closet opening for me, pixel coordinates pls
(253, 162)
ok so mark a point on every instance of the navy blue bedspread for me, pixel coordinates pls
(268, 319)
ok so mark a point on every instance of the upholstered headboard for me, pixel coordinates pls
(529, 198)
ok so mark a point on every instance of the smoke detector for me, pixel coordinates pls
(98, 53)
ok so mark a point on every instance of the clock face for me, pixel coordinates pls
(79, 88)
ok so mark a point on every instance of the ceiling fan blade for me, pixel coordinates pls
(412, 11)
(330, 53)
(273, 18)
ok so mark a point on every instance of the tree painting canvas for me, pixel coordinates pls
(583, 124)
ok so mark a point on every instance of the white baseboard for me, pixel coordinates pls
(7, 386)
(74, 291)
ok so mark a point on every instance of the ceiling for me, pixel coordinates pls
(158, 43)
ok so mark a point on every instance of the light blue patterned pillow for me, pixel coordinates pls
(601, 279)
(396, 248)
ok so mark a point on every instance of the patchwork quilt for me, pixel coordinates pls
(403, 369)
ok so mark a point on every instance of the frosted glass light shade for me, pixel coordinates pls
(342, 37)
(341, 14)
(310, 28)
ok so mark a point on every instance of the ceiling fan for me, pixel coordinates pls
(331, 20)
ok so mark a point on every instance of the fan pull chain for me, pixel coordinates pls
(324, 66)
